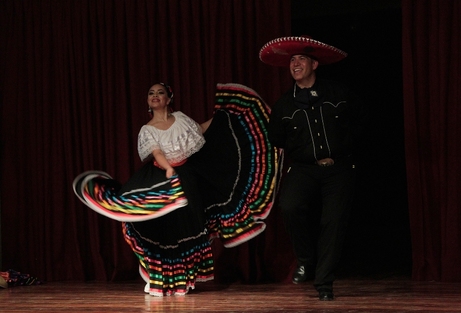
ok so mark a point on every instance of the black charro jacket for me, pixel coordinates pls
(323, 121)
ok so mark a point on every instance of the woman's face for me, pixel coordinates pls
(157, 97)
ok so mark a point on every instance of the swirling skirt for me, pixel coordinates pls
(224, 191)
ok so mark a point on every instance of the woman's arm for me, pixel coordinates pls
(205, 125)
(163, 162)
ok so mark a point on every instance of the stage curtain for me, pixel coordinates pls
(74, 77)
(432, 110)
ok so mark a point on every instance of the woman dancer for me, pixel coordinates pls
(199, 182)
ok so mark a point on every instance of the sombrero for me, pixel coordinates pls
(278, 52)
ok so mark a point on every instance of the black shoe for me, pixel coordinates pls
(326, 295)
(300, 275)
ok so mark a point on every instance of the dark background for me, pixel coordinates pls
(64, 120)
(378, 241)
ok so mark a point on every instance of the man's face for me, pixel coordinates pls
(302, 67)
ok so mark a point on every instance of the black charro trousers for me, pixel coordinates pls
(315, 202)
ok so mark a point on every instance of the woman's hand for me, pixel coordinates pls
(170, 172)
(163, 163)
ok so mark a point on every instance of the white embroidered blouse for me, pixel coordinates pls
(180, 141)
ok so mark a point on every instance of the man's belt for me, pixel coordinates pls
(325, 162)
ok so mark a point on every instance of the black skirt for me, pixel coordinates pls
(225, 191)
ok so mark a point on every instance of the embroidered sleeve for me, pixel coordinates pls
(146, 143)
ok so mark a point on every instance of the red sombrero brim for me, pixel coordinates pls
(278, 52)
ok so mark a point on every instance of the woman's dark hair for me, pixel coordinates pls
(169, 90)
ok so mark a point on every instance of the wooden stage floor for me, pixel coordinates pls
(352, 295)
